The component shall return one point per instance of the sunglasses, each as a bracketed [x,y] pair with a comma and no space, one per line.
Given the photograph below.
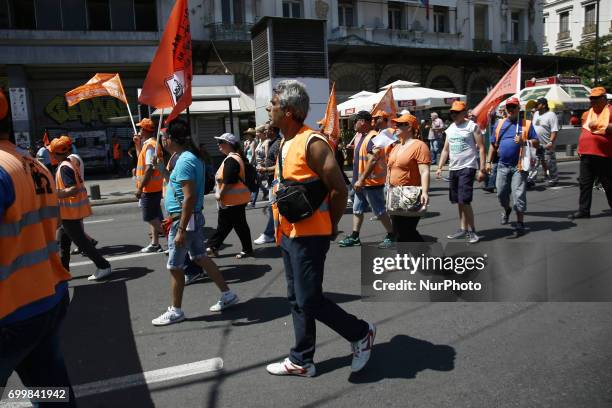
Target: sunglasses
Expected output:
[402,124]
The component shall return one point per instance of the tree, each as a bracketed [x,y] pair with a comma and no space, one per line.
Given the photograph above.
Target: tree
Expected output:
[586,50]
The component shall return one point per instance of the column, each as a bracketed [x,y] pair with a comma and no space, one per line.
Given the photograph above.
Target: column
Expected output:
[217,12]
[525,22]
[472,20]
[21,107]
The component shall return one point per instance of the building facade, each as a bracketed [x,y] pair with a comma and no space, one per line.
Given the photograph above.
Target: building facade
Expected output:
[569,23]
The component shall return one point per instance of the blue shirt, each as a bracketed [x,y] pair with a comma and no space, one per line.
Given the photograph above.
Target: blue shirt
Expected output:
[187,168]
[508,151]
[7,191]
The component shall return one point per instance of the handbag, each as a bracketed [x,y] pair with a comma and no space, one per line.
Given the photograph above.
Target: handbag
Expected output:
[297,201]
[528,157]
[405,201]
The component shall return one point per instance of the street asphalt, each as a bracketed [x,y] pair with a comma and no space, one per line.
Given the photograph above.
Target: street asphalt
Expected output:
[425,355]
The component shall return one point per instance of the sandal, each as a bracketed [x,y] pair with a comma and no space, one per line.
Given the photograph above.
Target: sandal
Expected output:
[243,254]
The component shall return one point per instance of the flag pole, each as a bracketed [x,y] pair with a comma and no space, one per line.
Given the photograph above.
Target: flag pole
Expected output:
[131,117]
[161,117]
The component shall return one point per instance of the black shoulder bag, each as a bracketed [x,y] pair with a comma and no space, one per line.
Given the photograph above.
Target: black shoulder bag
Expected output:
[295,200]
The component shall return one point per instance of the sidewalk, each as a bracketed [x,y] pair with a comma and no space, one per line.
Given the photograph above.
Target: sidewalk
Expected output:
[121,190]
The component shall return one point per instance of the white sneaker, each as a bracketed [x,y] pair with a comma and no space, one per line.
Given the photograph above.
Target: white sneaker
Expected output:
[362,349]
[286,367]
[172,315]
[226,300]
[264,239]
[189,279]
[151,248]
[100,273]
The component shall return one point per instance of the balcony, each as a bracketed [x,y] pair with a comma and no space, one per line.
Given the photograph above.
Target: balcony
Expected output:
[482,44]
[589,29]
[229,31]
[520,47]
[563,35]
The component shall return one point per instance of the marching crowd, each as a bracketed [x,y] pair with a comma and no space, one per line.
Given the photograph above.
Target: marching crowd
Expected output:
[297,170]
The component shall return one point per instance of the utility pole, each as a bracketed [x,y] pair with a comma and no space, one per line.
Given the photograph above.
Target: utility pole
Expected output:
[597,45]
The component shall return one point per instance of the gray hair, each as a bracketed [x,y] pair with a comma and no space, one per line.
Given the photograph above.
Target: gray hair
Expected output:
[292,96]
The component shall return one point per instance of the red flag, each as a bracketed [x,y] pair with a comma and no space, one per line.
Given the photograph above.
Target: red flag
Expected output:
[45,138]
[509,84]
[98,85]
[168,82]
[331,122]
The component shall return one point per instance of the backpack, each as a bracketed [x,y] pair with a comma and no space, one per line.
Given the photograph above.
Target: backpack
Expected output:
[250,177]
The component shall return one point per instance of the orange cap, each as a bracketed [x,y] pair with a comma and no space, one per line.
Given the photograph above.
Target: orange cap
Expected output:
[597,91]
[408,118]
[147,124]
[4,107]
[60,145]
[458,106]
[380,114]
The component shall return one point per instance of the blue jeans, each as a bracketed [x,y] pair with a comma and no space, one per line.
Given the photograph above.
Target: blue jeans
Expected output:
[492,177]
[435,146]
[304,260]
[512,180]
[269,231]
[32,349]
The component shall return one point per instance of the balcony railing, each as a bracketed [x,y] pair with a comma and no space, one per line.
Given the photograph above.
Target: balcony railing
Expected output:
[520,47]
[563,35]
[229,31]
[482,44]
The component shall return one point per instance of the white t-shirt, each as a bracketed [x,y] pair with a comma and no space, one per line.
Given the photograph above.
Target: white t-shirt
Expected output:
[462,146]
[544,125]
[81,165]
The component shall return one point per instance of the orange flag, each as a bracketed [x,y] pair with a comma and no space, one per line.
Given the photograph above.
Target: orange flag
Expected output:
[509,84]
[98,85]
[331,122]
[387,104]
[45,138]
[168,82]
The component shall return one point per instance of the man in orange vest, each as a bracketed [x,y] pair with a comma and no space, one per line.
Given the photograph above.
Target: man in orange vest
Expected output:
[117,154]
[33,283]
[369,176]
[595,150]
[305,157]
[149,182]
[74,207]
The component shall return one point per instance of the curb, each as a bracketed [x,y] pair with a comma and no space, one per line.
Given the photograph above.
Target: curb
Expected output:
[110,201]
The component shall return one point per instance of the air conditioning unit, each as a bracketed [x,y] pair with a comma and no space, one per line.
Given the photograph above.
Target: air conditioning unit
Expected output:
[290,48]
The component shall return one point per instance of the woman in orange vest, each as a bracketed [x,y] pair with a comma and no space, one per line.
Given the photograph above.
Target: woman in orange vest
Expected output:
[33,283]
[232,196]
[74,206]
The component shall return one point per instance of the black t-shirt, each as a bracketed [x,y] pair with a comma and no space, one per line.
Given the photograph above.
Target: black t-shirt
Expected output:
[231,171]
[273,152]
[68,176]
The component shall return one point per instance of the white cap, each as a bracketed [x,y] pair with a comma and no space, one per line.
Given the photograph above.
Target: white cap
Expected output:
[405,111]
[229,138]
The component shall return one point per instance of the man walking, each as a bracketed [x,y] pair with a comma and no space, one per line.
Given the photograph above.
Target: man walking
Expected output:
[466,150]
[184,202]
[149,183]
[267,172]
[508,141]
[595,150]
[369,175]
[435,136]
[74,207]
[305,155]
[546,126]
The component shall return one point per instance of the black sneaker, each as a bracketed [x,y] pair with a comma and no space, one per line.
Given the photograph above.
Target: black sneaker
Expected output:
[519,229]
[505,216]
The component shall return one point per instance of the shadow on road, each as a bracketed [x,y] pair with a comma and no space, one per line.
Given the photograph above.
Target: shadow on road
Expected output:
[98,343]
[532,226]
[116,250]
[402,357]
[118,275]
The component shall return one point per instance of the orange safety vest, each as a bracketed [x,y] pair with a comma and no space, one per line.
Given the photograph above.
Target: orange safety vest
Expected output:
[76,207]
[602,120]
[524,137]
[237,193]
[155,182]
[116,151]
[295,168]
[30,266]
[379,173]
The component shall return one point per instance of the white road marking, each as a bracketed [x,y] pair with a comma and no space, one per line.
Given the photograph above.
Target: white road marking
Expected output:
[118,258]
[135,380]
[98,221]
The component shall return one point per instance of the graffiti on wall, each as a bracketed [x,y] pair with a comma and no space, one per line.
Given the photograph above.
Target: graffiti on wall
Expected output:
[86,112]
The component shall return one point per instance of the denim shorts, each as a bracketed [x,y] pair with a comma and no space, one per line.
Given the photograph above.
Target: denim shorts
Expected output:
[370,197]
[194,244]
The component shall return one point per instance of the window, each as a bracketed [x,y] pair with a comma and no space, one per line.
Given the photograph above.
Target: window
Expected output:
[481,29]
[232,11]
[395,17]
[145,12]
[346,14]
[564,22]
[292,8]
[589,15]
[98,15]
[440,14]
[22,14]
[515,26]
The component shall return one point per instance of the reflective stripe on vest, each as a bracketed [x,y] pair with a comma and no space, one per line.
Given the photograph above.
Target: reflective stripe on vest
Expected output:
[295,168]
[379,172]
[30,267]
[237,193]
[76,207]
[156,180]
